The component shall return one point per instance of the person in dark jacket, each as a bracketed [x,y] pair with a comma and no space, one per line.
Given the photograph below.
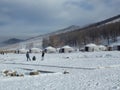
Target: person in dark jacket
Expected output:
[28,56]
[43,54]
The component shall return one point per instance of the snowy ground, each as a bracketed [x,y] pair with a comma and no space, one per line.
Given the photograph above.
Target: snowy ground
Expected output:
[87,71]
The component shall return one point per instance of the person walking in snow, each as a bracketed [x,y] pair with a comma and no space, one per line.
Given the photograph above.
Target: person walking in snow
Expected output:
[43,54]
[28,56]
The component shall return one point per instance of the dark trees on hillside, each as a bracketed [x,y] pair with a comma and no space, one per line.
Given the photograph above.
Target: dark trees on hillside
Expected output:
[55,41]
[94,34]
[45,42]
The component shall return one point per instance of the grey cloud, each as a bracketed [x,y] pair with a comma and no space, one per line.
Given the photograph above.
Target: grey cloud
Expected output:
[32,17]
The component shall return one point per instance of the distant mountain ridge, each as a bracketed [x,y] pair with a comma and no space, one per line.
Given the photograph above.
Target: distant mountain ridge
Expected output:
[103,22]
[12,41]
[67,29]
[109,20]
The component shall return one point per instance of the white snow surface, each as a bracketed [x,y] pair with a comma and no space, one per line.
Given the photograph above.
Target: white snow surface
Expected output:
[87,71]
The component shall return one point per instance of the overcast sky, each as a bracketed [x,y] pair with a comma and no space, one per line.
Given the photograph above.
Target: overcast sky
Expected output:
[27,18]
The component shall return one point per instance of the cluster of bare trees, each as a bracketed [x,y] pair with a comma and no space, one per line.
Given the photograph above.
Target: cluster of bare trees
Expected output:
[92,34]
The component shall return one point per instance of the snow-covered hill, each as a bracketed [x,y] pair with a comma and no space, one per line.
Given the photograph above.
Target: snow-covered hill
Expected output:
[37,41]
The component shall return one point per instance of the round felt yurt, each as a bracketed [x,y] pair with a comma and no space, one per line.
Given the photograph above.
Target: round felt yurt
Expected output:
[35,50]
[102,48]
[22,51]
[50,49]
[66,49]
[91,47]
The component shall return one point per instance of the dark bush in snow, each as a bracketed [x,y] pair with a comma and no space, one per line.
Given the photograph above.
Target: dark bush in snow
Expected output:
[34,73]
[11,73]
[65,72]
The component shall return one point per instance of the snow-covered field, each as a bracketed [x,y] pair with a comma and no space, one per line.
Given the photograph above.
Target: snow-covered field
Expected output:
[87,71]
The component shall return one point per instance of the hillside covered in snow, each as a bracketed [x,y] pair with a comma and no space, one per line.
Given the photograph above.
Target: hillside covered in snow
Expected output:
[104,32]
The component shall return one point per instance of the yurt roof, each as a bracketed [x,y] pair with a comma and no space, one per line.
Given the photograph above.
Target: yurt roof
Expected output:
[35,49]
[49,47]
[101,46]
[66,46]
[23,49]
[91,45]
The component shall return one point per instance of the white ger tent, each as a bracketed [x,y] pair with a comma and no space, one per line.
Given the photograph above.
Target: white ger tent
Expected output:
[35,50]
[91,47]
[23,51]
[66,49]
[102,48]
[50,49]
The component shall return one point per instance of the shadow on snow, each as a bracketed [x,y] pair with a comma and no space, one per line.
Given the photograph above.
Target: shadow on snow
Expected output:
[53,66]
